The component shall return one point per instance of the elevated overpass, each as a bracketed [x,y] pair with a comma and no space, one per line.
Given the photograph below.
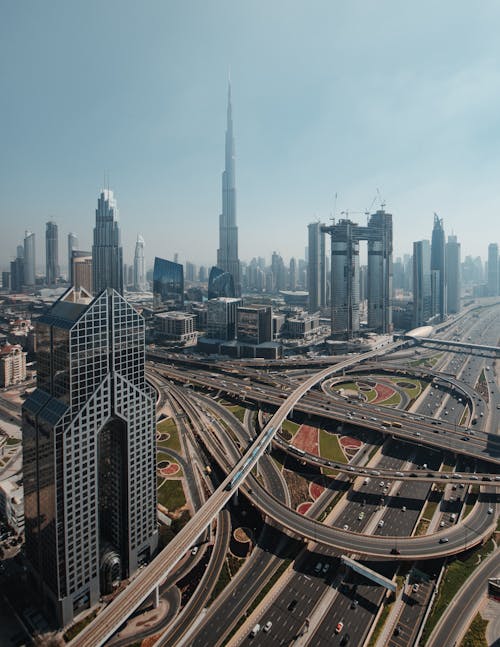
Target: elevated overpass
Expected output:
[113,616]
[477,349]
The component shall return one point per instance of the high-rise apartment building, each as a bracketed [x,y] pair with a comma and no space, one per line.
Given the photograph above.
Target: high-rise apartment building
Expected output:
[438,269]
[316,272]
[52,272]
[107,253]
[72,245]
[221,318]
[12,365]
[453,275]
[493,270]
[16,275]
[422,296]
[139,266]
[89,452]
[227,254]
[29,260]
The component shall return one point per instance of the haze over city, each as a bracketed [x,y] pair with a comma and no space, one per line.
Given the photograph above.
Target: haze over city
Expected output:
[328,99]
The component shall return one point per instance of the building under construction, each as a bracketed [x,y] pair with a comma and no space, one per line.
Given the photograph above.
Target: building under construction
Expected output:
[345,285]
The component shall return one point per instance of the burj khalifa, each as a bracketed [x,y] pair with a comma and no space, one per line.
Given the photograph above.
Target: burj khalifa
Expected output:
[227,254]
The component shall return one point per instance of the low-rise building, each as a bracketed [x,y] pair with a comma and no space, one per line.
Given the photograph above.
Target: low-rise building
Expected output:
[12,505]
[176,327]
[12,365]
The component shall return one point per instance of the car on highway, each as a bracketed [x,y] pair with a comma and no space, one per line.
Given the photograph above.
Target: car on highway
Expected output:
[381,523]
[255,630]
[318,567]
[345,640]
[444,540]
[361,516]
[292,605]
[325,569]
[267,626]
[194,550]
[395,551]
[415,588]
[345,527]
[339,627]
[490,510]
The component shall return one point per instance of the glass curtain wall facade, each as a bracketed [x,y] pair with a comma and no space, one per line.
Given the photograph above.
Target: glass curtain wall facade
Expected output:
[168,285]
[220,284]
[89,453]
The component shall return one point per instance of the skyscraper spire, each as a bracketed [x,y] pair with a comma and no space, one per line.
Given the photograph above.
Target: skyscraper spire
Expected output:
[227,254]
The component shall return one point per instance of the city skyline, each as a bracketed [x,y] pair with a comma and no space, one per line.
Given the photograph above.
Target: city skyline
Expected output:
[422,155]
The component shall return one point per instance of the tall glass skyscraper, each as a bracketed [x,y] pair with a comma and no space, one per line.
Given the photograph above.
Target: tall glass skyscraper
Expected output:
[422,297]
[51,253]
[438,269]
[220,284]
[89,452]
[168,285]
[107,253]
[227,254]
[29,259]
[72,245]
[453,275]
[493,270]
[139,266]
[316,272]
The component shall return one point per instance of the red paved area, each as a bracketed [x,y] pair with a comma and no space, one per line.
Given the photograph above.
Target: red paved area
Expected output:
[173,468]
[304,507]
[350,443]
[315,489]
[307,439]
[384,392]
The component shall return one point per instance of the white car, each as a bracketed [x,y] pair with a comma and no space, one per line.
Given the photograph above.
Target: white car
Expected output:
[381,523]
[267,626]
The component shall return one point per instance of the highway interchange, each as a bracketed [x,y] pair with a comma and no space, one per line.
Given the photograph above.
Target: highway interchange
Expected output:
[408,490]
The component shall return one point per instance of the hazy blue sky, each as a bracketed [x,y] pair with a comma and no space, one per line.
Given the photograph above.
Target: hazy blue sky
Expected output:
[329,97]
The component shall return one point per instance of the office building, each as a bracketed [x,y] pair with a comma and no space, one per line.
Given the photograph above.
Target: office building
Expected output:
[168,285]
[316,271]
[493,270]
[89,452]
[29,260]
[438,269]
[81,270]
[12,365]
[72,245]
[52,272]
[107,253]
[422,295]
[254,324]
[221,318]
[6,280]
[220,284]
[453,275]
[176,327]
[227,254]
[140,283]
[379,274]
[17,275]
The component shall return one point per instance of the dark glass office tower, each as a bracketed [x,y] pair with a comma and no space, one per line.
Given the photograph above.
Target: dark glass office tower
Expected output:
[51,253]
[168,285]
[107,253]
[89,452]
[227,254]
[438,269]
[220,284]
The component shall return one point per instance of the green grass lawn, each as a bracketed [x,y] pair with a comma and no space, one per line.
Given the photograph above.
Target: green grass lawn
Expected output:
[456,574]
[393,401]
[168,427]
[13,441]
[291,427]
[349,386]
[329,447]
[238,411]
[171,494]
[476,633]
[430,509]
